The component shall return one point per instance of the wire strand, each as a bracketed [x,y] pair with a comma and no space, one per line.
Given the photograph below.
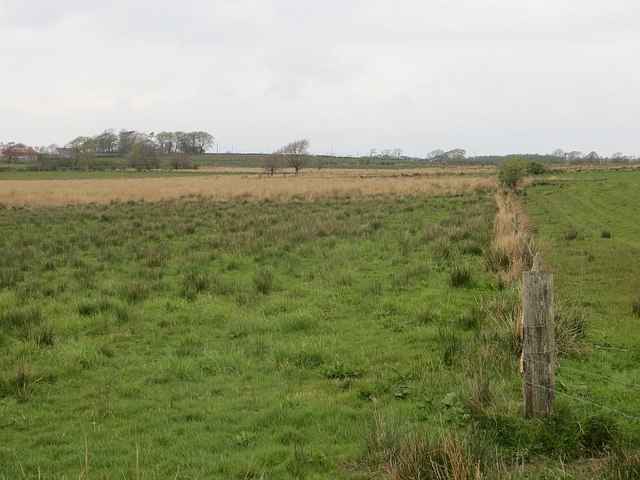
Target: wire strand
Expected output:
[583,400]
[561,366]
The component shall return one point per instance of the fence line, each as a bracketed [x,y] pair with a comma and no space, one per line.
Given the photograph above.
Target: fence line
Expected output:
[523,239]
[561,366]
[602,347]
[584,400]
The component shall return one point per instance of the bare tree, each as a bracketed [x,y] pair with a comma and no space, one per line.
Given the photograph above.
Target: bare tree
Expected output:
[435,154]
[202,141]
[296,153]
[559,154]
[274,162]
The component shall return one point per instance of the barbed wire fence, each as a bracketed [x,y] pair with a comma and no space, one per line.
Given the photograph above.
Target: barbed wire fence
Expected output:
[539,375]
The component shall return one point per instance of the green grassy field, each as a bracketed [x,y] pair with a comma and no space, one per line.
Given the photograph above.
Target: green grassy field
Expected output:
[342,338]
[592,222]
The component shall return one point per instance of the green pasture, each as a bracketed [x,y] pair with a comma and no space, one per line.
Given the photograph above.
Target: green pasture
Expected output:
[308,339]
[591,223]
[218,339]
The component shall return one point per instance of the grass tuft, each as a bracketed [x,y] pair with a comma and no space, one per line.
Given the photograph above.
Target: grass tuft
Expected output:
[21,320]
[623,464]
[570,328]
[451,346]
[460,276]
[263,280]
[571,234]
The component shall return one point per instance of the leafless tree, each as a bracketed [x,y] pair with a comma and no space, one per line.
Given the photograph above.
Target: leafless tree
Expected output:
[274,162]
[296,153]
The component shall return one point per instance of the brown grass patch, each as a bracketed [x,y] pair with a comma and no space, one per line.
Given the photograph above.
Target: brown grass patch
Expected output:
[509,256]
[311,185]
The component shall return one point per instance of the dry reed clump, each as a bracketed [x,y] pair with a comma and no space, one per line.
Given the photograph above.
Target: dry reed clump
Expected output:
[228,187]
[401,454]
[508,255]
[448,459]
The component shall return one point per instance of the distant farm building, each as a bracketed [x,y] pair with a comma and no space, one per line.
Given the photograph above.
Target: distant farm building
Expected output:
[17,153]
[65,152]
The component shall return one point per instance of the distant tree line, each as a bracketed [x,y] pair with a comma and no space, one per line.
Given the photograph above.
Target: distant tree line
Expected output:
[113,149]
[124,141]
[135,150]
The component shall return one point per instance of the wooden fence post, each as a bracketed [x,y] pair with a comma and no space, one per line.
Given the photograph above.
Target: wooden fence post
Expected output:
[538,350]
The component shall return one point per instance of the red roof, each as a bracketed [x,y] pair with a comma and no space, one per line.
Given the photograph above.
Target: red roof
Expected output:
[17,152]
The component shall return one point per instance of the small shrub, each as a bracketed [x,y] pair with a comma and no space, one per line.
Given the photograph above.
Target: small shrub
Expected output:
[460,276]
[605,234]
[511,173]
[535,168]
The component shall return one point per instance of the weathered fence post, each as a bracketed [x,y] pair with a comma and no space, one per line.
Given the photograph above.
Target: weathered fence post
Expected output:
[538,350]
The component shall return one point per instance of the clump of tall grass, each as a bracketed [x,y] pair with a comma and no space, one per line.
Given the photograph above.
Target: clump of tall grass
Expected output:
[19,383]
[193,283]
[623,464]
[20,320]
[451,346]
[305,356]
[89,308]
[471,318]
[571,234]
[506,314]
[570,327]
[263,280]
[460,275]
[134,292]
[446,456]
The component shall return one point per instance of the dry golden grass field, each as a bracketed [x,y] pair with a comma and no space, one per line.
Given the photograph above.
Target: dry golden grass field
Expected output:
[249,185]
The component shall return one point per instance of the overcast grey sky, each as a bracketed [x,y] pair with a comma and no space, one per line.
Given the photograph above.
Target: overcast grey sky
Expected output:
[492,76]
